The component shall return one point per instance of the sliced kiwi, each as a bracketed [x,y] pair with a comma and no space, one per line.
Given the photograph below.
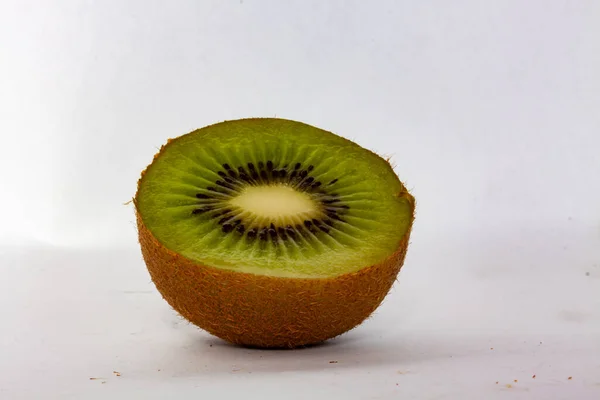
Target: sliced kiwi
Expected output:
[284,211]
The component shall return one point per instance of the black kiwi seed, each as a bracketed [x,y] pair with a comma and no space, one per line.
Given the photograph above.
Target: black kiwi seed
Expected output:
[227,228]
[244,177]
[331,201]
[316,222]
[240,228]
[328,222]
[261,165]
[303,173]
[270,165]
[316,185]
[324,228]
[293,174]
[309,180]
[263,174]
[254,175]
[282,173]
[297,166]
[263,234]
[307,223]
[336,217]
[336,207]
[251,166]
[226,185]
[223,220]
[226,166]
[333,181]
[251,233]
[202,196]
[290,232]
[222,174]
[198,211]
[232,173]
[310,168]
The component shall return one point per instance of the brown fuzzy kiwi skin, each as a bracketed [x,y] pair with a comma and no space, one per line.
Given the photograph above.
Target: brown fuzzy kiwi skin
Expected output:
[264,311]
[267,312]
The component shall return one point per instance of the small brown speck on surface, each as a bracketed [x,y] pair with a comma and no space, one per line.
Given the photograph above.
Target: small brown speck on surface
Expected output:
[508,385]
[94,379]
[496,382]
[491,348]
[333,362]
[117,373]
[515,381]
[569,378]
[533,377]
[103,382]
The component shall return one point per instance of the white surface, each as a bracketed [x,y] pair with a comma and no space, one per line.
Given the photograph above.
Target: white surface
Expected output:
[489,110]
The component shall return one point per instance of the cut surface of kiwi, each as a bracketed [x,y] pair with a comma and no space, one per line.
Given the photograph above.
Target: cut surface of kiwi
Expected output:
[269,233]
[274,197]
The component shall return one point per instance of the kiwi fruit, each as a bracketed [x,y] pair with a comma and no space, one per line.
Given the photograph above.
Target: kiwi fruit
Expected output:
[268,232]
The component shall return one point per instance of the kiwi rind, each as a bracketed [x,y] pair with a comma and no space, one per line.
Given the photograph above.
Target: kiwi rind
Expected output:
[270,311]
[263,311]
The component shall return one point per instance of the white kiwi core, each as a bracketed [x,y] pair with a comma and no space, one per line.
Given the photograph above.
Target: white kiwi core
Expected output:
[276,203]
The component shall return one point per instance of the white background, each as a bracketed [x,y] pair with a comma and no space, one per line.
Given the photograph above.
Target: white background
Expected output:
[490,110]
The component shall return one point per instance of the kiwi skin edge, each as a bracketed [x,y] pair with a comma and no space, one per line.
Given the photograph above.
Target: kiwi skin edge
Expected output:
[265,311]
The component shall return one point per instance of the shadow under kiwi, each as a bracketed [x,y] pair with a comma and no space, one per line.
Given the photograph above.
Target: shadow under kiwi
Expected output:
[206,354]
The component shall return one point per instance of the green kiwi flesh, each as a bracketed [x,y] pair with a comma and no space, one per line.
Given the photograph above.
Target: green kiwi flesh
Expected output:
[274,197]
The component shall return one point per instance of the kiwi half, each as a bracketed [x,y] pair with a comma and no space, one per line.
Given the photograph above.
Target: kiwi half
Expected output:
[272,233]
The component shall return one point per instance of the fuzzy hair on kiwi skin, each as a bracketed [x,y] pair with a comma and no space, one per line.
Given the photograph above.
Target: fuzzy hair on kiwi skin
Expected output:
[264,311]
[267,312]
